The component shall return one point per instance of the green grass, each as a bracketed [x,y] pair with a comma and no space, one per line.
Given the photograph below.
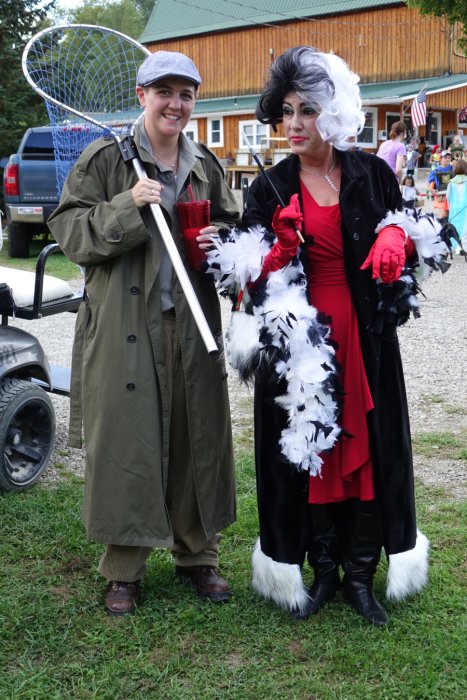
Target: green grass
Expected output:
[441,445]
[57,643]
[57,265]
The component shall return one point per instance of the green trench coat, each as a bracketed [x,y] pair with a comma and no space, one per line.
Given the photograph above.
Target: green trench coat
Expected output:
[118,378]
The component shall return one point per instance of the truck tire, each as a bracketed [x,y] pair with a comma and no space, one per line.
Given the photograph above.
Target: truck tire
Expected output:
[27,433]
[19,238]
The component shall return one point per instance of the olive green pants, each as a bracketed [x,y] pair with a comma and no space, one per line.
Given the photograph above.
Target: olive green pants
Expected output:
[191,546]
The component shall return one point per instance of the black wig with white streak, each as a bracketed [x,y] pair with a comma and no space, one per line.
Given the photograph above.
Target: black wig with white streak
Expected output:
[325,83]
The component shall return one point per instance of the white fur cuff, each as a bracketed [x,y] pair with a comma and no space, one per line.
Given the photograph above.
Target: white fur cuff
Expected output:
[408,571]
[279,582]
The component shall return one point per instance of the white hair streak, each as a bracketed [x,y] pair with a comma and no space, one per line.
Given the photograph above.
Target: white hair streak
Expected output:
[341,118]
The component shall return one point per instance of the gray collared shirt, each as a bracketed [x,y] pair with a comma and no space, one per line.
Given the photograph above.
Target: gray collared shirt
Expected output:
[173,186]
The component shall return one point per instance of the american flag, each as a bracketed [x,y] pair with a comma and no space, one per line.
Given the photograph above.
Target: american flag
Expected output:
[418,111]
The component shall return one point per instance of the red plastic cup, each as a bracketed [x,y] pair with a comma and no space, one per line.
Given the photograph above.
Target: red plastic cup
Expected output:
[194,216]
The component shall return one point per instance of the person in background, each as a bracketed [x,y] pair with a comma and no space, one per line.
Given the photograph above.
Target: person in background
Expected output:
[438,180]
[332,502]
[435,158]
[412,160]
[456,195]
[154,404]
[457,147]
[409,192]
[393,151]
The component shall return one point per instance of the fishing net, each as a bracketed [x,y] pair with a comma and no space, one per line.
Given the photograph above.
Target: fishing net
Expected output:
[87,76]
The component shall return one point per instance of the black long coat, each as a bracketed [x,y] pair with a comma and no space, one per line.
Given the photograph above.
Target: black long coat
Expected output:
[368,191]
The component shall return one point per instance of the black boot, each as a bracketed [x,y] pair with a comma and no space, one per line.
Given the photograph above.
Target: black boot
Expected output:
[362,553]
[324,558]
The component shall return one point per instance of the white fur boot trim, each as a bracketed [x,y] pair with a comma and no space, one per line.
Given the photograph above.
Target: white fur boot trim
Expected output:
[279,582]
[408,571]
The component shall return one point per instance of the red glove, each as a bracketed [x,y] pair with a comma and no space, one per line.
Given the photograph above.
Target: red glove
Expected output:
[387,255]
[285,223]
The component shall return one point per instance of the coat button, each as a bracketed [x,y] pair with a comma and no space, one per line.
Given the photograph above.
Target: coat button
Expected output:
[356,236]
[131,338]
[134,290]
[130,386]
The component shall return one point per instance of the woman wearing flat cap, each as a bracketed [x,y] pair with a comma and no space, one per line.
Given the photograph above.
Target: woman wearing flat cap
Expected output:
[153,403]
[332,439]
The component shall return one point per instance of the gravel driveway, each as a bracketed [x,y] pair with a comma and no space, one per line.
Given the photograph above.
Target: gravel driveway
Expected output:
[434,355]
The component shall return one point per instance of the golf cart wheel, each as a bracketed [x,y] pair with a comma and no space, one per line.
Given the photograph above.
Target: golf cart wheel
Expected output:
[27,433]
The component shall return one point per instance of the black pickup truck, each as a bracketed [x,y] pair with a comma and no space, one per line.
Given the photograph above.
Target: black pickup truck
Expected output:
[30,189]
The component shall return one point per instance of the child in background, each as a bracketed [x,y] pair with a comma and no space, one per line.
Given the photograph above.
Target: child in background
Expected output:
[435,157]
[412,159]
[438,180]
[409,192]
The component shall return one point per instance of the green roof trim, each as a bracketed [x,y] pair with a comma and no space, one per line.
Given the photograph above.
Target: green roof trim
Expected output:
[172,19]
[400,90]
[372,93]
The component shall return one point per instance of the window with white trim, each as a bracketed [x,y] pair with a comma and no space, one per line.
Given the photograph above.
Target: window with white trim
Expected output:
[215,132]
[436,130]
[368,136]
[191,130]
[256,133]
[393,117]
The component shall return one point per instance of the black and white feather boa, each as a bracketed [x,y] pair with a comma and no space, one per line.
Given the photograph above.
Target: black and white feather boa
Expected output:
[283,331]
[288,335]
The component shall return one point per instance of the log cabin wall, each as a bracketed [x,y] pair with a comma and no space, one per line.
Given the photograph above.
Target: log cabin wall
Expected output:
[380,45]
[385,44]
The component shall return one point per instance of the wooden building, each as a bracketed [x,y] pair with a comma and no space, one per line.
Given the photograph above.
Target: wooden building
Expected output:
[395,50]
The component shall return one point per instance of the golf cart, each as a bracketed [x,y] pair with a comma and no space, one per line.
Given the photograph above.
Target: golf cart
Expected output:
[27,417]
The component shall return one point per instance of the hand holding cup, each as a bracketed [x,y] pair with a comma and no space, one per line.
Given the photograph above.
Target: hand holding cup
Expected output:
[194,217]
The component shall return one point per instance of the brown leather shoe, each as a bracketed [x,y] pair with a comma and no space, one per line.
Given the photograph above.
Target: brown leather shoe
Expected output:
[121,598]
[206,582]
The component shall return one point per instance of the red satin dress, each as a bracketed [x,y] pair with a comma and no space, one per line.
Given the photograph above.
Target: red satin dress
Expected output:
[346,471]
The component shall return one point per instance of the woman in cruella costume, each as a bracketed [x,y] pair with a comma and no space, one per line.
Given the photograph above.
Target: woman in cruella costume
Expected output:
[332,437]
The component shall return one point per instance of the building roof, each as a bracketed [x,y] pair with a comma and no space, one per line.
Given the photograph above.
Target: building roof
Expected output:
[372,94]
[172,19]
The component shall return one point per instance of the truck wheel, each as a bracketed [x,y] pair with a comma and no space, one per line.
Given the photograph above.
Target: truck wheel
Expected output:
[27,433]
[19,238]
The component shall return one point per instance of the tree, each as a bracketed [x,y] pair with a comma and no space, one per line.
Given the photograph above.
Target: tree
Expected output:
[20,106]
[453,10]
[124,16]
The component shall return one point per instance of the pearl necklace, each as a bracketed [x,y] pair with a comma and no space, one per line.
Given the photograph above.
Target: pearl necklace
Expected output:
[325,177]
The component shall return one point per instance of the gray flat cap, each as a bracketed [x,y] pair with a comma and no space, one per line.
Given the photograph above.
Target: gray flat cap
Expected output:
[165,64]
